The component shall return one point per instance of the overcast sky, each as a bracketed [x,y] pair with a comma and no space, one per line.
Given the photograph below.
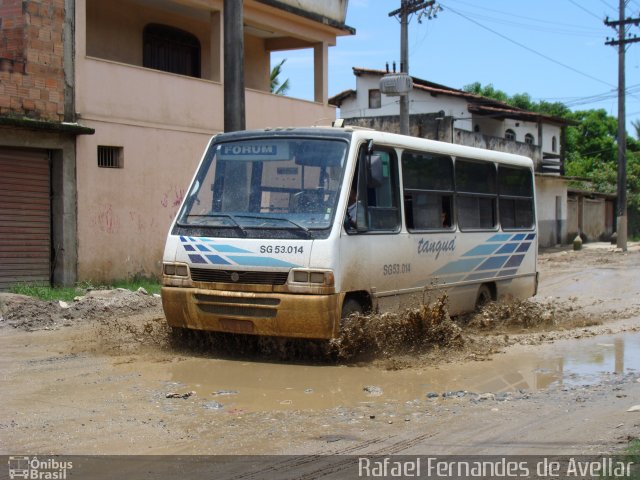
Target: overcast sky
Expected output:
[551,49]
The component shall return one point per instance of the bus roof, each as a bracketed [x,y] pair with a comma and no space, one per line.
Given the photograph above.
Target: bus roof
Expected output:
[384,138]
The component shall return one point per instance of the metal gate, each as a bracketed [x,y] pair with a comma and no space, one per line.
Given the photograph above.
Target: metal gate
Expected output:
[25,217]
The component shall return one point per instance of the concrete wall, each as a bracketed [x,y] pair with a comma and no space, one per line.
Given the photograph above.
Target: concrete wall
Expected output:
[333,9]
[430,126]
[478,140]
[593,214]
[161,121]
[591,218]
[551,204]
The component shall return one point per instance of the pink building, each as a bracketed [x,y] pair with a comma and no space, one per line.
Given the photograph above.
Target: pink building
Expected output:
[105,109]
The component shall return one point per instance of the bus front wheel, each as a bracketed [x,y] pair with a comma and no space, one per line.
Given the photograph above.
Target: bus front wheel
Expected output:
[351,306]
[484,296]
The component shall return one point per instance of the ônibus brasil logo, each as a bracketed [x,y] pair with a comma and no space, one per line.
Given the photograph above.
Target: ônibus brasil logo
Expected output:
[36,469]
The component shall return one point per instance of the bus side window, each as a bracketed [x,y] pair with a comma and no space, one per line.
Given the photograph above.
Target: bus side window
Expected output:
[428,190]
[515,191]
[377,206]
[476,195]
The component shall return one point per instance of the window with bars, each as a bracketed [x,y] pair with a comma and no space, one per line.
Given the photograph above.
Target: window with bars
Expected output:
[171,50]
[110,157]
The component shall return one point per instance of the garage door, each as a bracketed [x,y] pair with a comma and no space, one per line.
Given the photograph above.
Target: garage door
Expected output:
[25,217]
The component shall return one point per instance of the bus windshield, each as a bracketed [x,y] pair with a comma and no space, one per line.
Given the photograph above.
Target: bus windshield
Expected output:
[284,184]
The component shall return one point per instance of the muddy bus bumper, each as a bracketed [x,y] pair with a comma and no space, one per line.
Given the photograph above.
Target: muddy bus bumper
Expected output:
[267,314]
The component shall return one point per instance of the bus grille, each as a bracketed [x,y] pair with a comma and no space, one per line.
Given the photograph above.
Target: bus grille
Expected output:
[244,277]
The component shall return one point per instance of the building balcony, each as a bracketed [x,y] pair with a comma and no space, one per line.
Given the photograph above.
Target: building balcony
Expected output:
[544,162]
[122,93]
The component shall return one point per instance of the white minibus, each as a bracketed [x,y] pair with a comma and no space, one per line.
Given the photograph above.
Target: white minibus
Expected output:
[284,232]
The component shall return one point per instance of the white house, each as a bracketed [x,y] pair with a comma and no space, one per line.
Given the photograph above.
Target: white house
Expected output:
[448,114]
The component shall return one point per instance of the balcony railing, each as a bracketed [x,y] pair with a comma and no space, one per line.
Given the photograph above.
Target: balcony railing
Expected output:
[544,162]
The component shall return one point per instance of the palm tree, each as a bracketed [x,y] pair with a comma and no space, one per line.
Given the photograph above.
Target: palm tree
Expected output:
[636,125]
[276,86]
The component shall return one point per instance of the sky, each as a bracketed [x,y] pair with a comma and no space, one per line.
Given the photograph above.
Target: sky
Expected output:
[551,49]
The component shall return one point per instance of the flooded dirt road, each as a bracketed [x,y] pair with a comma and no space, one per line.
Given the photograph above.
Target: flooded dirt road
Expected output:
[115,386]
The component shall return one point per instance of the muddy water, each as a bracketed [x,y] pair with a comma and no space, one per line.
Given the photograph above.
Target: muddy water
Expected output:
[64,391]
[255,386]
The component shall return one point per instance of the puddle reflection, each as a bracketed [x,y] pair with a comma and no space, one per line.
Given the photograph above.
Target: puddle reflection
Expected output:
[264,386]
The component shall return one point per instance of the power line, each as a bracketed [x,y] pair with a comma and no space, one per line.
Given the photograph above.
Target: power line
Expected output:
[544,22]
[546,57]
[573,31]
[609,6]
[584,9]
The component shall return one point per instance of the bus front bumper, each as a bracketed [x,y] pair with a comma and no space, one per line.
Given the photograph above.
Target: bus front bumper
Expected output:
[266,314]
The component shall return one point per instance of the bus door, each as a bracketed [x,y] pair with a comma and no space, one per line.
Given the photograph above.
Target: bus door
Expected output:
[373,253]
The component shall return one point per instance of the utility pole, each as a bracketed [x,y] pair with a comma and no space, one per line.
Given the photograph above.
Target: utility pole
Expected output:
[621,42]
[234,104]
[407,7]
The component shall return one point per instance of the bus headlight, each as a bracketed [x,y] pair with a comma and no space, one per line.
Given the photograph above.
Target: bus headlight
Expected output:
[175,269]
[313,277]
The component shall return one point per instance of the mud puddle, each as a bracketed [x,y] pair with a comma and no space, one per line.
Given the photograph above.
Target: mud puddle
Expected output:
[228,385]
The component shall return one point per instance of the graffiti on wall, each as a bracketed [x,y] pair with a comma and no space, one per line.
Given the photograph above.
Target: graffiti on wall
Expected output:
[106,220]
[171,200]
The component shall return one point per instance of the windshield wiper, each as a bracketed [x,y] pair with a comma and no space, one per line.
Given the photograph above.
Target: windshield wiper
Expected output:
[295,224]
[214,215]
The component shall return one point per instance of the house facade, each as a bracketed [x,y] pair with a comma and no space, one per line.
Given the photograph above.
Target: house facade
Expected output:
[107,108]
[442,113]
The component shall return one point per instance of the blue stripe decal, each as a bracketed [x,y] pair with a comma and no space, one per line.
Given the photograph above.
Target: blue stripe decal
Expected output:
[500,237]
[531,236]
[493,263]
[505,273]
[519,236]
[459,266]
[217,260]
[481,250]
[260,261]
[514,261]
[523,247]
[197,258]
[208,247]
[229,249]
[507,248]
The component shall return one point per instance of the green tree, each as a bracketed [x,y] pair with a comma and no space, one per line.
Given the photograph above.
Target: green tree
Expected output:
[519,100]
[591,146]
[277,87]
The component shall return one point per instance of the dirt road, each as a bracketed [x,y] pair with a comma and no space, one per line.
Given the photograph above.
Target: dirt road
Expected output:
[113,385]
